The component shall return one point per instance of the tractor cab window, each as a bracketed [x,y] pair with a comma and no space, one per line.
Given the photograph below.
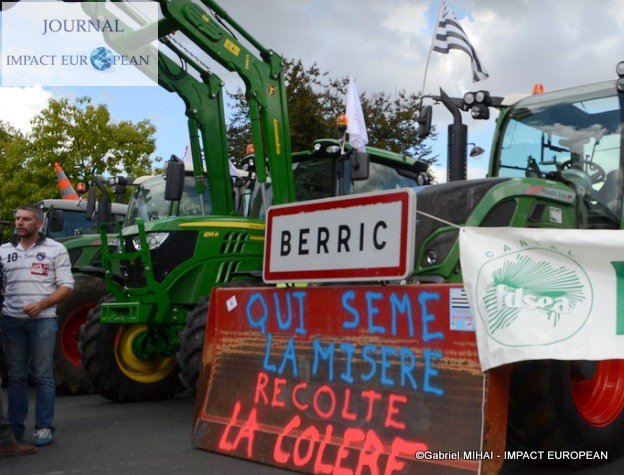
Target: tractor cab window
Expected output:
[314,179]
[383,177]
[148,201]
[75,223]
[571,138]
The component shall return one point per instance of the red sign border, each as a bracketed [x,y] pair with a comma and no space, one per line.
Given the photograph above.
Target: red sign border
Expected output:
[405,196]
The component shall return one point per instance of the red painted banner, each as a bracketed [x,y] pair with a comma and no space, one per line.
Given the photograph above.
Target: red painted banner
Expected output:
[346,380]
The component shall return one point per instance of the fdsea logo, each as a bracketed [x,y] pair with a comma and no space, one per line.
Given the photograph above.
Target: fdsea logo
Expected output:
[533,297]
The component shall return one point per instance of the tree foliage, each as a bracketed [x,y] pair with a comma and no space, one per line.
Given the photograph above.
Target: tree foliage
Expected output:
[82,138]
[314,102]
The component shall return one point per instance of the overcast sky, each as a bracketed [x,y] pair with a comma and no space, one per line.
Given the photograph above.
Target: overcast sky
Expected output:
[384,46]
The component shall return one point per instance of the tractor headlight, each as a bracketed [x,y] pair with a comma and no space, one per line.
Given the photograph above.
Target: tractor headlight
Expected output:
[154,240]
[438,248]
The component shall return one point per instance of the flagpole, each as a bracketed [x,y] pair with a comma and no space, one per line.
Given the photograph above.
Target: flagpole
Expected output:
[435,29]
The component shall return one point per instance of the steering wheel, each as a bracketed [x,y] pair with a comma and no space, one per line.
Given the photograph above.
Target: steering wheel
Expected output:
[594,171]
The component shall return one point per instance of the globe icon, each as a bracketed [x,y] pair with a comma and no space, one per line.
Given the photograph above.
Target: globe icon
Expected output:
[101,58]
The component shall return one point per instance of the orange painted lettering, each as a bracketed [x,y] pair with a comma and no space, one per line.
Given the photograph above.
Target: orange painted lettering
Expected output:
[223,443]
[246,432]
[372,396]
[319,466]
[311,436]
[325,389]
[299,405]
[402,447]
[392,410]
[351,435]
[369,455]
[263,380]
[349,416]
[277,390]
[278,454]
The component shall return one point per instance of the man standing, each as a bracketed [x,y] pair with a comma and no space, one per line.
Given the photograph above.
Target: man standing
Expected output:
[8,444]
[37,276]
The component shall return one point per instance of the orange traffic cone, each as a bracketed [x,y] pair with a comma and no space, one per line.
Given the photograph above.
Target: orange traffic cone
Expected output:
[67,190]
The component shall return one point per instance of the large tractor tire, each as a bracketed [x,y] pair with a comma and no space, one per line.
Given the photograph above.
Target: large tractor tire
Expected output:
[72,314]
[192,337]
[111,365]
[192,346]
[568,406]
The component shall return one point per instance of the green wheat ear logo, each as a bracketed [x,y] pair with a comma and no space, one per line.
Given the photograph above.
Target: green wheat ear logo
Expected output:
[529,284]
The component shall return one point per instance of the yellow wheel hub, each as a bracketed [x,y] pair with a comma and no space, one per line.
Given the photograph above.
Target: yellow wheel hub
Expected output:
[139,370]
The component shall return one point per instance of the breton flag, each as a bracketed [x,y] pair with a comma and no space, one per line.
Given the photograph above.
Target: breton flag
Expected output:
[356,126]
[450,35]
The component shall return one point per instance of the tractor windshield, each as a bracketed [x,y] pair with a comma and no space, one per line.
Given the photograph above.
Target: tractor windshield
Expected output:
[573,135]
[75,223]
[315,177]
[148,201]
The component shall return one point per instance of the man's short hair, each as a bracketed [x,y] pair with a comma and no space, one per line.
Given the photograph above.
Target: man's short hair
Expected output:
[35,210]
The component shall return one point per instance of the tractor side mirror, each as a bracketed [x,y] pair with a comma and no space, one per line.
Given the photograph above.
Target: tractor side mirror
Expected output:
[91,199]
[360,166]
[174,179]
[424,122]
[55,220]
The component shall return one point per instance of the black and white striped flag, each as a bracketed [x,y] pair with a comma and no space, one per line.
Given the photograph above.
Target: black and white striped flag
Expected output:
[450,35]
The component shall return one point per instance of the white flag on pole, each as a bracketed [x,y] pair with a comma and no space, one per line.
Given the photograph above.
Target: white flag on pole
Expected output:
[188,158]
[356,126]
[450,35]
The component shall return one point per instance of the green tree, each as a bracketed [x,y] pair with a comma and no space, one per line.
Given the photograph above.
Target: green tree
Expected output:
[82,138]
[13,146]
[314,102]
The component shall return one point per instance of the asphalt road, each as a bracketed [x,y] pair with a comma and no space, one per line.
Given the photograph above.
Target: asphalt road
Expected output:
[95,436]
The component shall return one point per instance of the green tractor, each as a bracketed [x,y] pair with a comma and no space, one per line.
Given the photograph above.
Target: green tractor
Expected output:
[556,162]
[148,333]
[188,232]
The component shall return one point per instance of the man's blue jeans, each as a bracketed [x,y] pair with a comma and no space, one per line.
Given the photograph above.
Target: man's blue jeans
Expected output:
[30,340]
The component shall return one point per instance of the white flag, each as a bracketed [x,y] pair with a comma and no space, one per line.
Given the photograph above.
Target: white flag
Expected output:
[450,35]
[234,172]
[188,158]
[356,126]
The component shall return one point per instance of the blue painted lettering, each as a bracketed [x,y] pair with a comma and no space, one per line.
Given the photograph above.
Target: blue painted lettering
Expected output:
[283,324]
[370,360]
[427,317]
[349,349]
[346,297]
[407,367]
[401,306]
[257,311]
[386,352]
[323,354]
[290,355]
[372,311]
[267,352]
[430,372]
[260,321]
